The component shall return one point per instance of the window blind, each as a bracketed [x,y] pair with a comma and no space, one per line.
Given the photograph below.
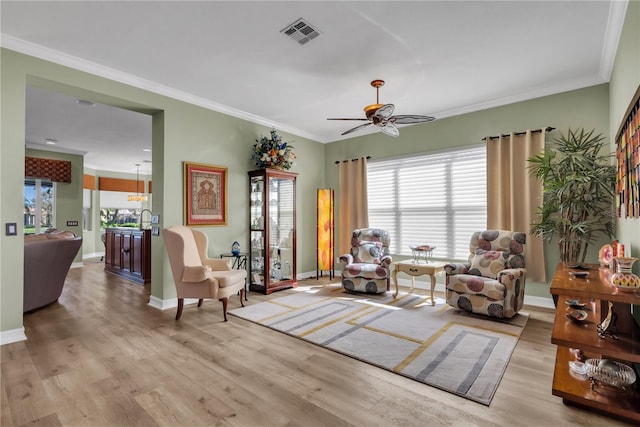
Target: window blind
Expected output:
[436,198]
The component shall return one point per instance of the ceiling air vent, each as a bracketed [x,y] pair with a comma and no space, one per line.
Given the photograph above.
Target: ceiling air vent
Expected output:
[301,31]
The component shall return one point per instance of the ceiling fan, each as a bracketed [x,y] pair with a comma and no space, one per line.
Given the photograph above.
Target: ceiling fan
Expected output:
[381,115]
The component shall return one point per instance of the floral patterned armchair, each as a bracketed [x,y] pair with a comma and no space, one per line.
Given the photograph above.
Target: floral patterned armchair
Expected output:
[367,267]
[493,280]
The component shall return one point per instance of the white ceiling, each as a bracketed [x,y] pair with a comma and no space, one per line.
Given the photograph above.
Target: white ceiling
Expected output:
[438,58]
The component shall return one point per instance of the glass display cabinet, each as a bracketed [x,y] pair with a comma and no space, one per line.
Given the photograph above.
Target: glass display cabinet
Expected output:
[272,221]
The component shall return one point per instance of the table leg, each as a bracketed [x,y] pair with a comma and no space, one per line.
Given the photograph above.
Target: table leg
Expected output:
[433,285]
[413,283]
[394,275]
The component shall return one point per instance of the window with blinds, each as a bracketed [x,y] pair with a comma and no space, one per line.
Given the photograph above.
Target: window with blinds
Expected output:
[436,198]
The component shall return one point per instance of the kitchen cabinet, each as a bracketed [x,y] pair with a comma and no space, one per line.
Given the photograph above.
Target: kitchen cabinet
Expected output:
[128,253]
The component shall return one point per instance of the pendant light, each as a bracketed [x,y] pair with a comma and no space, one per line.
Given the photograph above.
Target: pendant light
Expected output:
[137,197]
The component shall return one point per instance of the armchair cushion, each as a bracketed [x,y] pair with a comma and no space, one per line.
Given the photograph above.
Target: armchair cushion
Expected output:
[488,263]
[367,252]
[470,284]
[228,278]
[369,271]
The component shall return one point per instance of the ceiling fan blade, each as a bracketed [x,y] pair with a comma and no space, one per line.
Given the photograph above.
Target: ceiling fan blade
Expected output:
[360,120]
[390,129]
[356,128]
[385,111]
[407,119]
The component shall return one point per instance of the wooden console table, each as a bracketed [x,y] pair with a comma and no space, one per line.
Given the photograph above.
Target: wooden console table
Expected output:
[595,291]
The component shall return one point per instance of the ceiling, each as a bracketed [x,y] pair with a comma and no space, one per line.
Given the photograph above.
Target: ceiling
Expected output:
[438,58]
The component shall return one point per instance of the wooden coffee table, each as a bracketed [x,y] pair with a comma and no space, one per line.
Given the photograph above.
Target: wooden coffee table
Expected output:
[414,269]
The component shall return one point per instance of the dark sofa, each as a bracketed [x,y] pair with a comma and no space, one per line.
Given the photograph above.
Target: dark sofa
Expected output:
[47,259]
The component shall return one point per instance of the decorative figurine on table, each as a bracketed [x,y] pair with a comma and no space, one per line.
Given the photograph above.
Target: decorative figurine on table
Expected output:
[605,256]
[235,249]
[608,325]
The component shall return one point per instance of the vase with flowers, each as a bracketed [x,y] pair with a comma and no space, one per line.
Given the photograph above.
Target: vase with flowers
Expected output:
[273,152]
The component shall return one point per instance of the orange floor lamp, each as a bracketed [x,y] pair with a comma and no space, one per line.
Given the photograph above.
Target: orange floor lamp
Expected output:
[325,249]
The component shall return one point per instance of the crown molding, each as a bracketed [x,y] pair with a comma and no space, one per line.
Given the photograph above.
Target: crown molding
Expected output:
[60,58]
[524,96]
[615,22]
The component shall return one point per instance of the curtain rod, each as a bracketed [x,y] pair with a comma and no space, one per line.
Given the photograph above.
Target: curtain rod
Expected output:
[353,160]
[548,129]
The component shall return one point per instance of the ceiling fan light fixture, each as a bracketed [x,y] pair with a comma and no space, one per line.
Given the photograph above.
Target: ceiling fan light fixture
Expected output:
[381,116]
[370,110]
[137,198]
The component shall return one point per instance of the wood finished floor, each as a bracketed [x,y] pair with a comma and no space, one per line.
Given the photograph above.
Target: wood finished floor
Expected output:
[102,357]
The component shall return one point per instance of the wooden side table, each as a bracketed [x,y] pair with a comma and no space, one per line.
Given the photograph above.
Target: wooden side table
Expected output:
[414,269]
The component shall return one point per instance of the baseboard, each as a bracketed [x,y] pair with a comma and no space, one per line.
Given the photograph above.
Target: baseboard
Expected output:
[539,301]
[313,275]
[13,335]
[77,264]
[165,304]
[92,255]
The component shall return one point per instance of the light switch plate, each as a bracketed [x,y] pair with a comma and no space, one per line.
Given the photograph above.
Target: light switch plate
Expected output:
[11,229]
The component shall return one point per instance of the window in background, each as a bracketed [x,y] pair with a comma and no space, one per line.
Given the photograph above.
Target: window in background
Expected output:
[436,198]
[117,211]
[39,205]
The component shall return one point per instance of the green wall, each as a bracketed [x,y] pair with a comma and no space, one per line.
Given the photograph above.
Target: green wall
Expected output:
[180,132]
[184,132]
[600,107]
[587,108]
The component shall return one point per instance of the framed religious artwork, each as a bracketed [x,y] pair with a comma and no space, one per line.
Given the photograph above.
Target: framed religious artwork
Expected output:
[205,194]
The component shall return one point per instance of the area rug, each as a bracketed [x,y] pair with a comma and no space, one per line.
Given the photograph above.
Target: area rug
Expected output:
[437,345]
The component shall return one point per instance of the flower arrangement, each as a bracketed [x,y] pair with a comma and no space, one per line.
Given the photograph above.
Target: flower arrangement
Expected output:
[273,152]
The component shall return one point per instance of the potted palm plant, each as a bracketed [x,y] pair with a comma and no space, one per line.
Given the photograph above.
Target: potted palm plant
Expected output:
[578,193]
